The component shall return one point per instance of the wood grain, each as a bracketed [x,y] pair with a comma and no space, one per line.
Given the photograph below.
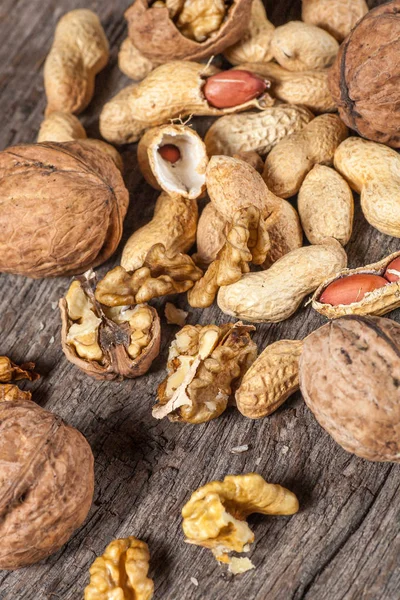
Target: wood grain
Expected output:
[345,542]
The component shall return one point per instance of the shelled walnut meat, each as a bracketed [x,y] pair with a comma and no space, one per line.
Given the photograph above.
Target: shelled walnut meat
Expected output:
[107,342]
[205,364]
[186,29]
[46,479]
[63,205]
[350,380]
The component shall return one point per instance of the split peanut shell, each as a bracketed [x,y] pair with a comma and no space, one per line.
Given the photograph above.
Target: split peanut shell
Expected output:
[378,302]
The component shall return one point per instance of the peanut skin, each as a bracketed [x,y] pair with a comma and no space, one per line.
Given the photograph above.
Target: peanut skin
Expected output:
[232,88]
[351,289]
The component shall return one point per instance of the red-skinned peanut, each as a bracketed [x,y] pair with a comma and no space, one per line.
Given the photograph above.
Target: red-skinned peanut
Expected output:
[233,88]
[393,266]
[351,289]
[170,153]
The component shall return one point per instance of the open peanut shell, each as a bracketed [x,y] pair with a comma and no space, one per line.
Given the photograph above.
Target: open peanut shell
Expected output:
[107,343]
[185,176]
[155,34]
[378,302]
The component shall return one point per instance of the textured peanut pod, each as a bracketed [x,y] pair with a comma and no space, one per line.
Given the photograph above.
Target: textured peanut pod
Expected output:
[275,294]
[186,176]
[105,345]
[326,206]
[211,235]
[174,222]
[307,88]
[298,46]
[71,205]
[252,158]
[293,157]
[271,379]
[378,302]
[364,79]
[79,51]
[255,131]
[338,17]
[46,479]
[170,91]
[349,378]
[132,62]
[156,35]
[373,171]
[254,45]
[284,230]
[65,127]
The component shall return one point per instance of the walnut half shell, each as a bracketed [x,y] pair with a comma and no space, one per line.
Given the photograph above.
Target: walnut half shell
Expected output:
[107,342]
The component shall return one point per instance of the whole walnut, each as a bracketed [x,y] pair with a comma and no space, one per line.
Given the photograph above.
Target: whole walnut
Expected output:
[350,379]
[62,208]
[364,79]
[46,481]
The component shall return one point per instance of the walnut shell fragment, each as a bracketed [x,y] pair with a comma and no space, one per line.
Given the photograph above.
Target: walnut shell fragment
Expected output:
[174,222]
[46,478]
[205,363]
[186,175]
[63,206]
[121,572]
[107,343]
[256,131]
[80,50]
[156,35]
[364,78]
[275,294]
[349,378]
[215,515]
[271,379]
[378,302]
[171,91]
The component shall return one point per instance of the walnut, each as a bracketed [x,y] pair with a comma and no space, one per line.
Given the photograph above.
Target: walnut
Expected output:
[121,573]
[9,371]
[160,275]
[107,342]
[63,205]
[12,392]
[364,78]
[215,516]
[46,479]
[199,19]
[205,363]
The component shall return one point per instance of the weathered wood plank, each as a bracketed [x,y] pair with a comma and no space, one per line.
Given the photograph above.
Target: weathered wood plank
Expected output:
[344,544]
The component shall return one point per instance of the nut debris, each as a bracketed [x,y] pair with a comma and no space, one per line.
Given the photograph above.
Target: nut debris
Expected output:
[239,449]
[174,315]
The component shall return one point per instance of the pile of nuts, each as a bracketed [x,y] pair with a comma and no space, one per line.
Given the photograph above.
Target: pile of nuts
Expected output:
[277,136]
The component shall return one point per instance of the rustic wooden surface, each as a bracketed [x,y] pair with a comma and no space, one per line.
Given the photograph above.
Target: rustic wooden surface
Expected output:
[344,543]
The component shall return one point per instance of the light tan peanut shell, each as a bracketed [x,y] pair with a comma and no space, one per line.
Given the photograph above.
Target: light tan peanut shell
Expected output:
[298,46]
[254,46]
[187,176]
[252,158]
[255,131]
[337,17]
[79,51]
[155,34]
[308,88]
[271,379]
[132,62]
[174,222]
[373,171]
[65,127]
[284,230]
[170,91]
[378,302]
[293,157]
[326,206]
[275,294]
[211,235]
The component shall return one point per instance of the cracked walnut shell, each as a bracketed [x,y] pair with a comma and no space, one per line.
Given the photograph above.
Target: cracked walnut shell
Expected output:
[215,515]
[158,38]
[107,342]
[46,479]
[63,205]
[204,364]
[121,572]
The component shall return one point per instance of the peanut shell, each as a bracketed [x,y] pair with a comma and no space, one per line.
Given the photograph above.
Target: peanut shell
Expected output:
[377,302]
[338,18]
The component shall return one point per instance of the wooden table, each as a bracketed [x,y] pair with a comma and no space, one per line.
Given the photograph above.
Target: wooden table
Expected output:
[345,541]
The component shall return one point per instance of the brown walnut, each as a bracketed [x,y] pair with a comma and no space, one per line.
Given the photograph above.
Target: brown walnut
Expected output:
[63,205]
[364,78]
[46,480]
[350,379]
